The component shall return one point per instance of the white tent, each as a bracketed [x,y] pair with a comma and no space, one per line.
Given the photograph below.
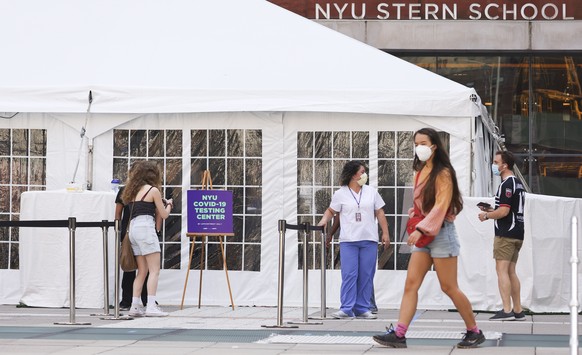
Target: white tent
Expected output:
[185,65]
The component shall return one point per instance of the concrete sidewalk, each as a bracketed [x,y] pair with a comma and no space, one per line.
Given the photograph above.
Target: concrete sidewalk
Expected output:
[220,330]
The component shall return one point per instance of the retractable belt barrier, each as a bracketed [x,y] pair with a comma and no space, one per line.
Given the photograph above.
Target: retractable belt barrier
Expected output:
[72,224]
[306,228]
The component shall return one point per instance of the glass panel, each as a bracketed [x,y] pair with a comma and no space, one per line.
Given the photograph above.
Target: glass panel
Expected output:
[235,143]
[386,171]
[216,143]
[252,229]
[405,145]
[361,146]
[38,142]
[174,143]
[235,172]
[138,143]
[254,172]
[254,143]
[37,171]
[4,170]
[305,144]
[20,142]
[252,258]
[20,171]
[120,142]
[4,142]
[304,172]
[253,200]
[197,168]
[217,170]
[341,145]
[323,144]
[305,200]
[386,147]
[322,174]
[233,256]
[199,146]
[156,143]
[173,172]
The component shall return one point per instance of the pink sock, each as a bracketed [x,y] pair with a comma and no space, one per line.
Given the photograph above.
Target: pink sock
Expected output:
[401,329]
[475,329]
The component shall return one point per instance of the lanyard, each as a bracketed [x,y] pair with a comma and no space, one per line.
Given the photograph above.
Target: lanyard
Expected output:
[361,193]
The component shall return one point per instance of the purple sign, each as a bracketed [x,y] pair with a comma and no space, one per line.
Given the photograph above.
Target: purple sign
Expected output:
[210,212]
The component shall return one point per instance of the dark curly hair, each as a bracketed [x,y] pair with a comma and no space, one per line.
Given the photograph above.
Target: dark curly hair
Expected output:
[350,169]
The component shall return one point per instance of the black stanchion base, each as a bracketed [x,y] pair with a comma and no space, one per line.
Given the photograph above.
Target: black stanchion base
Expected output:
[306,323]
[279,326]
[118,318]
[69,323]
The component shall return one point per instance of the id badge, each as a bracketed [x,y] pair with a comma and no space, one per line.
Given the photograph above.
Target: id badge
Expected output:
[358,217]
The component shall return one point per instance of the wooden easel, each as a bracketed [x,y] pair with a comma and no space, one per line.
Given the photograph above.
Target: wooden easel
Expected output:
[206,185]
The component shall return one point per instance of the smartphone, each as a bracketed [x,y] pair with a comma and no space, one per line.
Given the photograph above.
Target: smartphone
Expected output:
[484,205]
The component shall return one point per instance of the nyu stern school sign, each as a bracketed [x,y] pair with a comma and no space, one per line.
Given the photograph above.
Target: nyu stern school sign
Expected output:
[496,10]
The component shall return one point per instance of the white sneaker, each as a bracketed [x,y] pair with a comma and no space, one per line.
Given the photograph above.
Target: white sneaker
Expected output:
[367,315]
[341,315]
[136,311]
[155,311]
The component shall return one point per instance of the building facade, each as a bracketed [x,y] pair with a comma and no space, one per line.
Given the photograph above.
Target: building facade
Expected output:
[524,58]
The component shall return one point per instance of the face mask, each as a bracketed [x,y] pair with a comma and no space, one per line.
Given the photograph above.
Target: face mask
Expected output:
[363,179]
[495,170]
[423,152]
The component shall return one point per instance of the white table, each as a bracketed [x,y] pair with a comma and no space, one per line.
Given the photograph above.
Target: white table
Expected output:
[44,252]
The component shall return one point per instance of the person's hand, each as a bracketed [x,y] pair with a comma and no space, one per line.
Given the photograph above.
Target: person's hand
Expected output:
[385,240]
[328,240]
[483,216]
[170,202]
[413,238]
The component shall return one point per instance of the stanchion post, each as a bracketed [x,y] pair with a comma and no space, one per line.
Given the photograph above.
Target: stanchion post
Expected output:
[116,315]
[323,272]
[282,227]
[574,298]
[72,227]
[105,313]
[306,234]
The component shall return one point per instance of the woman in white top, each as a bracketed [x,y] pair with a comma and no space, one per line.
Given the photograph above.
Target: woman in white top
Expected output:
[358,205]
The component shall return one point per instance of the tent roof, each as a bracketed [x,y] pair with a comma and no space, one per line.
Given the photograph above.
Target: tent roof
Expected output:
[143,56]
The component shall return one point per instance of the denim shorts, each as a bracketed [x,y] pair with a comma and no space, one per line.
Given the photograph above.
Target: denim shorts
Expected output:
[143,237]
[445,244]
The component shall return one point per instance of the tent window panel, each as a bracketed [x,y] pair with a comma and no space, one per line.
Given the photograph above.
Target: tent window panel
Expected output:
[199,146]
[173,172]
[138,143]
[405,175]
[156,143]
[341,144]
[227,155]
[305,144]
[386,172]
[252,229]
[216,143]
[172,256]
[120,143]
[321,156]
[386,147]
[322,144]
[4,170]
[361,145]
[405,145]
[304,172]
[20,142]
[322,170]
[174,143]
[38,171]
[235,172]
[252,257]
[4,231]
[22,168]
[304,200]
[5,142]
[235,143]
[388,195]
[233,256]
[254,169]
[253,143]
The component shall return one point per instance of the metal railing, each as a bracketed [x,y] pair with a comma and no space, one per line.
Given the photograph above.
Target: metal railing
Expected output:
[574,293]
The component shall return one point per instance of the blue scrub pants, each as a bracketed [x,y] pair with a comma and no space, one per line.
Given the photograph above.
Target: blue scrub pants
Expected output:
[358,268]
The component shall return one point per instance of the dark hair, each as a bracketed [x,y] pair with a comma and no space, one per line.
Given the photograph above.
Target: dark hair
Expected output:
[350,169]
[440,162]
[507,158]
[142,172]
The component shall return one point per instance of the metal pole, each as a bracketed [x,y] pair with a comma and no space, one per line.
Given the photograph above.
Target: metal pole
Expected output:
[104,229]
[116,315]
[305,273]
[323,273]
[574,298]
[282,226]
[72,227]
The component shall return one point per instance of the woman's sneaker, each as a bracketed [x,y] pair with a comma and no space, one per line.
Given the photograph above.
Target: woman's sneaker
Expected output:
[390,339]
[501,315]
[471,340]
[519,316]
[136,311]
[155,311]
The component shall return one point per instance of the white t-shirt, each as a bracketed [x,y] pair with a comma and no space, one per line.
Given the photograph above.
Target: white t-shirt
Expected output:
[345,201]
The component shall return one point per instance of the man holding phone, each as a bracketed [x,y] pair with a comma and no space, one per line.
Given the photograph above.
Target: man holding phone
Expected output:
[508,218]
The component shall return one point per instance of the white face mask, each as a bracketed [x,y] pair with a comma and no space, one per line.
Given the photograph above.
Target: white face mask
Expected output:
[363,179]
[423,152]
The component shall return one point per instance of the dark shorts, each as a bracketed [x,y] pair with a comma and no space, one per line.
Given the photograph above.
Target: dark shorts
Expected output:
[506,248]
